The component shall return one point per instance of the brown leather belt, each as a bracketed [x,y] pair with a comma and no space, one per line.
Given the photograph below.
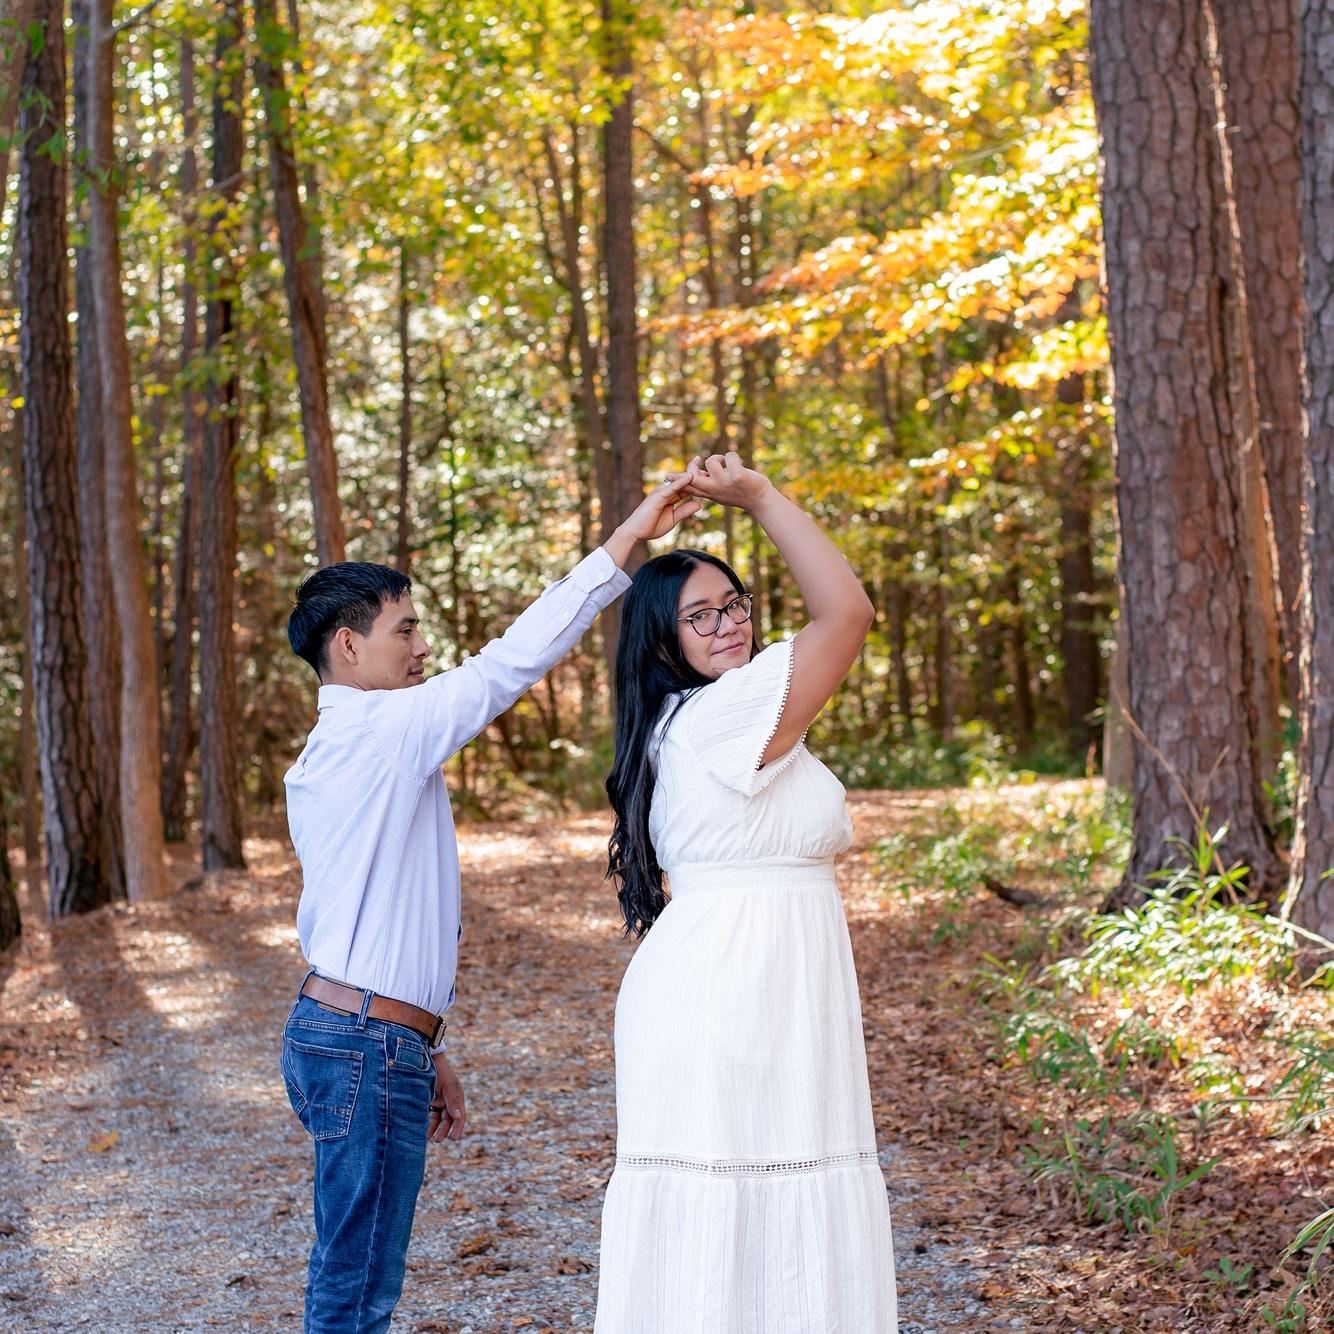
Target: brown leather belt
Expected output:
[347,1000]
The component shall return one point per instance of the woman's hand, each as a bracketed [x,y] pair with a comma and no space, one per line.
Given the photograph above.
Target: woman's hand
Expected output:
[656,515]
[724,478]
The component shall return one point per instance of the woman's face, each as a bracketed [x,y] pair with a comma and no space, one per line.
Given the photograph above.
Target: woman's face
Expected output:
[711,654]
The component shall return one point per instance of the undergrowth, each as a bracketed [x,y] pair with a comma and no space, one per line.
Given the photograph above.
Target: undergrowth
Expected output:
[1133,1096]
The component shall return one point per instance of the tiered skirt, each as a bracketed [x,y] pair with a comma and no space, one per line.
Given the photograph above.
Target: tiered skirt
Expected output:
[747,1196]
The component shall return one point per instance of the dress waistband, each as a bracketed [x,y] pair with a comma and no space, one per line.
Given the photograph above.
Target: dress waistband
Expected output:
[776,873]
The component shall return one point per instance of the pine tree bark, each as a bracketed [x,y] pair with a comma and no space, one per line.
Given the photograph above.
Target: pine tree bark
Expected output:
[28,784]
[141,749]
[301,278]
[1257,43]
[1260,576]
[77,875]
[1310,898]
[1183,539]
[627,454]
[101,626]
[180,726]
[219,769]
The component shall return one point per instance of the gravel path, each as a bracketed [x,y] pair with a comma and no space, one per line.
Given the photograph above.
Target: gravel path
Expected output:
[153,1178]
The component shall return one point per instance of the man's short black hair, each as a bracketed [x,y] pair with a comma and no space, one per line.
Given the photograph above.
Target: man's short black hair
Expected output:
[350,593]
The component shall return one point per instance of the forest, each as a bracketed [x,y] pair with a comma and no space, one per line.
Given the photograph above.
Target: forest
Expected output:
[1029,302]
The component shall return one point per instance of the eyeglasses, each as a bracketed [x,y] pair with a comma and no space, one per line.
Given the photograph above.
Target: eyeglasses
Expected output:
[708,620]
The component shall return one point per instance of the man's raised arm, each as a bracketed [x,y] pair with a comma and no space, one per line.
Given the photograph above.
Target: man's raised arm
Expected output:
[423,726]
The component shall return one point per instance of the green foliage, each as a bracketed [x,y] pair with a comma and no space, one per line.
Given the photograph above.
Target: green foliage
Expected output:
[1119,1169]
[1307,1086]
[1190,931]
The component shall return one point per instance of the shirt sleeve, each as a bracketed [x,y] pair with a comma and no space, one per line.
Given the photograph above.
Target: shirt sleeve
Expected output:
[420,727]
[729,723]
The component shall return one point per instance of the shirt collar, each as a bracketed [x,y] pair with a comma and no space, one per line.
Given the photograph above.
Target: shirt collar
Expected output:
[330,695]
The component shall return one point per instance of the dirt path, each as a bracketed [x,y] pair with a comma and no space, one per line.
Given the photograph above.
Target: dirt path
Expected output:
[152,1176]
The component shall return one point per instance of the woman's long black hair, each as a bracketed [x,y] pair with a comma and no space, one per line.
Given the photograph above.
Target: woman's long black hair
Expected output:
[650,668]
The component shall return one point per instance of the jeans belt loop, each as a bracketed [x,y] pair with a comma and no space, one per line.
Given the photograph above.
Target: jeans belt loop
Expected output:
[366,998]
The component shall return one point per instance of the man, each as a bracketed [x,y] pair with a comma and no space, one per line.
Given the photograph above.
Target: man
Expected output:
[363,1057]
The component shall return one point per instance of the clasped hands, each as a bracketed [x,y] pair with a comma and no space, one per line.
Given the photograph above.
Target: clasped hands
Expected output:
[722,478]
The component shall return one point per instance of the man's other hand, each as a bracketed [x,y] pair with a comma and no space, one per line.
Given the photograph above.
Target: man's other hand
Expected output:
[447,1108]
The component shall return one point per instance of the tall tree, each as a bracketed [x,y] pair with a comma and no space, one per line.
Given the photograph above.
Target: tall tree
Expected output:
[219,769]
[301,273]
[618,247]
[141,749]
[1257,42]
[1310,898]
[624,474]
[77,875]
[1183,537]
[28,784]
[100,623]
[180,726]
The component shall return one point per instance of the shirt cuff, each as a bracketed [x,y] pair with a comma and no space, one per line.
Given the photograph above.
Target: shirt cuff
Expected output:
[597,569]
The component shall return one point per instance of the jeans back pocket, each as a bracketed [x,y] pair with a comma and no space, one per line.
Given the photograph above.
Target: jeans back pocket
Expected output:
[322,1084]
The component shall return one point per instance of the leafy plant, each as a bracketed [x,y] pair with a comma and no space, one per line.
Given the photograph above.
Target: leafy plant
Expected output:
[1127,1170]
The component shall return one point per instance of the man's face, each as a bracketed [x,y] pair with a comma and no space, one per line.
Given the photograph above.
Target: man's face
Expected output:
[391,656]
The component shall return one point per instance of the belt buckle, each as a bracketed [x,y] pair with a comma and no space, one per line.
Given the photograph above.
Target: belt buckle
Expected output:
[438,1033]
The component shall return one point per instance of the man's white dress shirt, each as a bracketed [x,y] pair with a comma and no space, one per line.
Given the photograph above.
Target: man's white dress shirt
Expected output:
[369,812]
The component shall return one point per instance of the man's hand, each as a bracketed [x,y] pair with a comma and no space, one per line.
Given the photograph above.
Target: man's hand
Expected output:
[447,1110]
[657,514]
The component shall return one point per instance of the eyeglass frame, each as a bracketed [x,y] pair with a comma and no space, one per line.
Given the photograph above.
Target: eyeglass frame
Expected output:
[747,598]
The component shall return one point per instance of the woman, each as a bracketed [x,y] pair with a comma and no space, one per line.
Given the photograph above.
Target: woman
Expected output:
[747,1196]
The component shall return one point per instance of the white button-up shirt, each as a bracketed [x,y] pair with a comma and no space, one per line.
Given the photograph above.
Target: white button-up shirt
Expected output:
[369,812]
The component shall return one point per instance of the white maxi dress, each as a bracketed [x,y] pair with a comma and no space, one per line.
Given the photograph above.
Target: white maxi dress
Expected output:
[747,1196]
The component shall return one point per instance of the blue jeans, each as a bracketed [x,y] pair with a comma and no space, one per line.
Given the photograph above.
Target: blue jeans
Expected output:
[362,1089]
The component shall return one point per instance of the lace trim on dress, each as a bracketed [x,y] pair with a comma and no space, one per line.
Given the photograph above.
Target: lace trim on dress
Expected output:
[646,1162]
[782,704]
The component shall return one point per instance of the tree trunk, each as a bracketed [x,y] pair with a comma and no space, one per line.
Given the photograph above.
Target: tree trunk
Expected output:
[1310,896]
[11,924]
[100,625]
[1183,537]
[180,727]
[1017,634]
[141,749]
[309,181]
[627,455]
[1118,746]
[219,770]
[301,277]
[28,785]
[77,875]
[1257,43]
[899,610]
[942,706]
[1080,661]
[1261,604]
[404,548]
[17,15]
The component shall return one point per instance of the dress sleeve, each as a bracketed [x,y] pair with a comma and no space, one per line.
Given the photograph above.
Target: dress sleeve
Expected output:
[729,723]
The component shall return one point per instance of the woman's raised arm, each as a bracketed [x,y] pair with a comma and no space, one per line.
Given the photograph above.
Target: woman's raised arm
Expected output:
[840,612]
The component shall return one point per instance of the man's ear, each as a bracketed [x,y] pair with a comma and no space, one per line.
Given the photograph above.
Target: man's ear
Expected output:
[343,647]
